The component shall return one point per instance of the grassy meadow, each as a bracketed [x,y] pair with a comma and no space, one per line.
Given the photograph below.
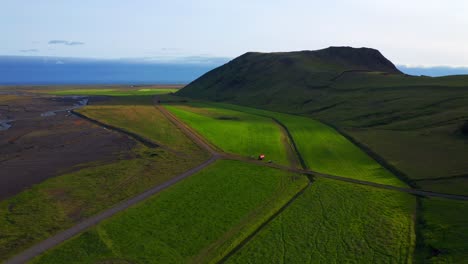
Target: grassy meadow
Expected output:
[336,222]
[196,220]
[60,202]
[236,132]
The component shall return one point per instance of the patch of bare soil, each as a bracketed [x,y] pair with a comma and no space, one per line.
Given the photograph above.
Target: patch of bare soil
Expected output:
[37,147]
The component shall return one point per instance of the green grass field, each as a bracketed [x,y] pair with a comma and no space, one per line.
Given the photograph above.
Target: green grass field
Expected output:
[235,132]
[138,115]
[114,92]
[60,202]
[324,150]
[444,231]
[335,222]
[447,172]
[197,220]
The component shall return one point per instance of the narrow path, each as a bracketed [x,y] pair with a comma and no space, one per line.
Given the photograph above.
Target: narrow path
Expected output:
[84,225]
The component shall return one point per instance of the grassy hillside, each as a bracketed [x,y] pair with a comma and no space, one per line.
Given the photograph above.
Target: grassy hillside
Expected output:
[414,123]
[275,78]
[196,220]
[335,222]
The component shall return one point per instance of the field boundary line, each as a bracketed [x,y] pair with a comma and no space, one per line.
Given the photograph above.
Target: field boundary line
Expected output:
[293,143]
[147,142]
[417,192]
[55,240]
[264,224]
[453,177]
[376,157]
[199,140]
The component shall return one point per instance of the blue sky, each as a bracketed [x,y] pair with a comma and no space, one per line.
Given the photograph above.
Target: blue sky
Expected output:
[416,32]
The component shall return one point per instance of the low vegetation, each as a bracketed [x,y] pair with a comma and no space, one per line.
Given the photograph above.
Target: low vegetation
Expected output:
[433,160]
[62,201]
[444,231]
[138,115]
[336,222]
[235,132]
[197,220]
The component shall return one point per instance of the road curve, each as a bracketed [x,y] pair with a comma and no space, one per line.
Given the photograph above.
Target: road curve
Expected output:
[84,225]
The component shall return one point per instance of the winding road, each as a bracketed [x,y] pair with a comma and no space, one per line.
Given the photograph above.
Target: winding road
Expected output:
[215,155]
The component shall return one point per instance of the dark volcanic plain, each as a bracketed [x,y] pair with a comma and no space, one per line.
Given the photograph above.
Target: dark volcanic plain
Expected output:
[40,145]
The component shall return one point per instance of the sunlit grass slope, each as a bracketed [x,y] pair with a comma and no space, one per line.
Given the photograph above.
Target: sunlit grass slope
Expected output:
[235,132]
[325,150]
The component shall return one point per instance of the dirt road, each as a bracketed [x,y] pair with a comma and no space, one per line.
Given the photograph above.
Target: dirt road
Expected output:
[75,230]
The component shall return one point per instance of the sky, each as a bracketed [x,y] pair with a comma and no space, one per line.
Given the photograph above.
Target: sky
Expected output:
[412,33]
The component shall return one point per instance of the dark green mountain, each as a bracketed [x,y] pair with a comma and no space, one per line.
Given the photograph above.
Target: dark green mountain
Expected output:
[416,123]
[285,75]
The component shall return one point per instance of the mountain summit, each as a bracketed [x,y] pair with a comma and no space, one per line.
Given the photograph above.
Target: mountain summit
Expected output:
[266,77]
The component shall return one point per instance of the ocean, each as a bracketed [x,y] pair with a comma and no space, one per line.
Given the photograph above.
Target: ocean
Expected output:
[22,70]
